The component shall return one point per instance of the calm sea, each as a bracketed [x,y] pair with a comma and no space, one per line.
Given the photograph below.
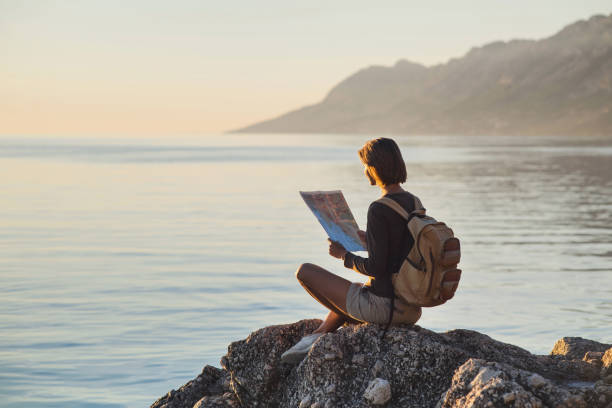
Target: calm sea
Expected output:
[126,265]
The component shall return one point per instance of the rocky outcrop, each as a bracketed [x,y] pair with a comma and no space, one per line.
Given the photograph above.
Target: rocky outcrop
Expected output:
[211,382]
[410,366]
[478,383]
[577,347]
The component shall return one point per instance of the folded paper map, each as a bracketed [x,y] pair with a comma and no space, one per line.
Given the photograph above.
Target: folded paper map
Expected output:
[335,216]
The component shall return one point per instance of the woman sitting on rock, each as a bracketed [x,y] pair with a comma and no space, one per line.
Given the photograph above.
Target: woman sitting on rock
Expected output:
[387,240]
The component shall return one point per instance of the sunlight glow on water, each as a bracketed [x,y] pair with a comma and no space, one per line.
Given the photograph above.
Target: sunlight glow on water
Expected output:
[127,265]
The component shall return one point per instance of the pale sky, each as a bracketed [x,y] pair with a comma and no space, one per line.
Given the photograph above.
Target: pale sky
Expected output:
[140,67]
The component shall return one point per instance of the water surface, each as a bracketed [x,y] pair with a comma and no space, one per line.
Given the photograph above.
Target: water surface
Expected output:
[128,264]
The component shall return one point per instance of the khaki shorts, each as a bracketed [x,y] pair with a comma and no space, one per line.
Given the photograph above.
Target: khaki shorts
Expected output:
[363,305]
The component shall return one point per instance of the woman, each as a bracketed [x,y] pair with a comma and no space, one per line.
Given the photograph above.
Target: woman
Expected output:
[387,240]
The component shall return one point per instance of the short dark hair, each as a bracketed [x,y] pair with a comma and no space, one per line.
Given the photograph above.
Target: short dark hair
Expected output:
[384,156]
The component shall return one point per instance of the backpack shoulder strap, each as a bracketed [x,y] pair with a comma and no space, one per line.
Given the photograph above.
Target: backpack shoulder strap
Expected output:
[394,205]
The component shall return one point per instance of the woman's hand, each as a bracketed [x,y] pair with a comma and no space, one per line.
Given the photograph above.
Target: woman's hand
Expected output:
[336,249]
[362,237]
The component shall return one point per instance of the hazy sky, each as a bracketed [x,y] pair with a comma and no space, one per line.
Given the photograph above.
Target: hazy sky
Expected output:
[168,67]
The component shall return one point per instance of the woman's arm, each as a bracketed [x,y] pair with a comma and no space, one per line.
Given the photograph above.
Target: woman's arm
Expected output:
[378,246]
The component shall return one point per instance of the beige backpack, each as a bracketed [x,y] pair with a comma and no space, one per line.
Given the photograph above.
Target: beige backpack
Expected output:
[429,275]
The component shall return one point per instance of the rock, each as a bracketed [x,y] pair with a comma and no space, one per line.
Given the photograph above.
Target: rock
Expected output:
[594,358]
[330,356]
[464,367]
[509,397]
[246,359]
[575,348]
[378,366]
[209,382]
[593,355]
[358,359]
[604,389]
[423,372]
[378,391]
[226,400]
[305,402]
[483,377]
[536,381]
[606,362]
[478,383]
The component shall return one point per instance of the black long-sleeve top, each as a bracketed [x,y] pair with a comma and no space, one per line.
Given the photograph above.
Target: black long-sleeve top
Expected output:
[388,242]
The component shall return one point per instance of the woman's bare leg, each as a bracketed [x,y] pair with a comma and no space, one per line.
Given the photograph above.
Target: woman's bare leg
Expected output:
[331,323]
[330,290]
[334,319]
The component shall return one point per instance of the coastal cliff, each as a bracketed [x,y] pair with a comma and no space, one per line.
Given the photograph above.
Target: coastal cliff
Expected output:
[560,85]
[410,367]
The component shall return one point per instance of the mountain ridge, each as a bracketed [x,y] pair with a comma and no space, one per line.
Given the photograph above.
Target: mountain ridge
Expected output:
[561,84]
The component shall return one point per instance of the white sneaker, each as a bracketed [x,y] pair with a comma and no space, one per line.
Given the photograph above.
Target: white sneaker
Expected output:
[296,353]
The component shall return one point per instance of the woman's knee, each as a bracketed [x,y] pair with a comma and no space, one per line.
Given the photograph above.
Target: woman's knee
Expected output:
[303,271]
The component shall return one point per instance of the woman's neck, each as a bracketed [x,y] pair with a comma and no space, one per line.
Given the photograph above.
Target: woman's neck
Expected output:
[391,189]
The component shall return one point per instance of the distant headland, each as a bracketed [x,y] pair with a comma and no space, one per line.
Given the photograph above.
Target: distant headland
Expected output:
[560,85]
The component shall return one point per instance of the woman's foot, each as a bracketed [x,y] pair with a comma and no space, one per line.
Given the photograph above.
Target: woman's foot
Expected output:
[296,353]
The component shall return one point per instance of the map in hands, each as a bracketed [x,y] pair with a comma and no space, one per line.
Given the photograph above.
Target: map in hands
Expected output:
[335,216]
